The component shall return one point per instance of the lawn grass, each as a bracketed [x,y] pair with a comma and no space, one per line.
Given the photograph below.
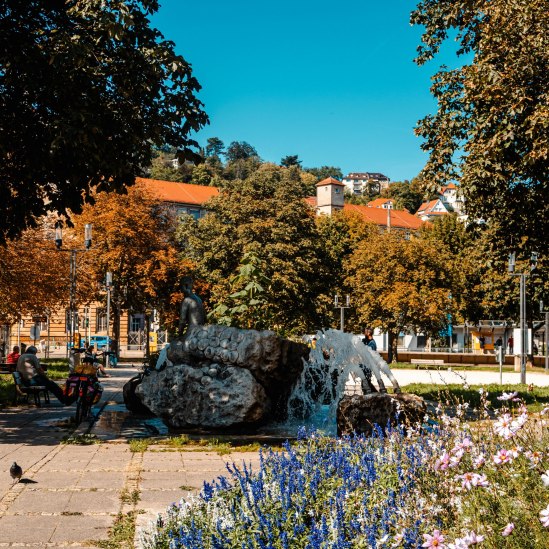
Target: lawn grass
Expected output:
[535,399]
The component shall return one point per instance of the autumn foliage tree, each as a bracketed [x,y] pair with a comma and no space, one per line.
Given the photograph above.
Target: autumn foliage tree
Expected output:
[133,237]
[400,285]
[34,278]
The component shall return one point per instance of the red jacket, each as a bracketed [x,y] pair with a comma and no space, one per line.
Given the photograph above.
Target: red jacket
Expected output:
[12,358]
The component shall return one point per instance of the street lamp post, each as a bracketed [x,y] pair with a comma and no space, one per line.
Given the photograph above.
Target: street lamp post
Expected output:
[73,252]
[546,311]
[339,305]
[522,307]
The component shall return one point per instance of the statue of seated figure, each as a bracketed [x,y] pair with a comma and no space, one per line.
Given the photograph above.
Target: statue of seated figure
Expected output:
[192,309]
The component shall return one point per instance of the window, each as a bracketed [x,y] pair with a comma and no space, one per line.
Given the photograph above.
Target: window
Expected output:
[101,320]
[337,190]
[137,323]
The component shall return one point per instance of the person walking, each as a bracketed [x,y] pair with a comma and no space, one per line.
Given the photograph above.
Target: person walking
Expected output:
[510,343]
[32,373]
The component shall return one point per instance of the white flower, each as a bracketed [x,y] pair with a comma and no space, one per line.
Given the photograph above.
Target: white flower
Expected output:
[545,478]
[507,396]
[503,426]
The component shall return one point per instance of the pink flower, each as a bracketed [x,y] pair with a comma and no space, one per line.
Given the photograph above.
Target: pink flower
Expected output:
[435,541]
[472,538]
[502,457]
[455,460]
[515,451]
[442,462]
[544,517]
[473,479]
[503,426]
[534,457]
[467,480]
[479,461]
[507,396]
[464,445]
[508,529]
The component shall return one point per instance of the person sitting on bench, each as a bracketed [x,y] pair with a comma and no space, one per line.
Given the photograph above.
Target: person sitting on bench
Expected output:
[33,374]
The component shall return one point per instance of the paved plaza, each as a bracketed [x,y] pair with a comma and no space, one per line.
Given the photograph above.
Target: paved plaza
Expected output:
[70,495]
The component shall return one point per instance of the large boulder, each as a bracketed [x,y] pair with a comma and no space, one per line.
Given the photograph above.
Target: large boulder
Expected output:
[211,396]
[274,362]
[359,413]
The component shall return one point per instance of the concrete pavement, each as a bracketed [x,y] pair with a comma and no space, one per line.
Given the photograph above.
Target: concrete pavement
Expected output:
[70,495]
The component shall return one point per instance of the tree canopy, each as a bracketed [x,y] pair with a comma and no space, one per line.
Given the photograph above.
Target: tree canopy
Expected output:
[491,130]
[264,215]
[87,89]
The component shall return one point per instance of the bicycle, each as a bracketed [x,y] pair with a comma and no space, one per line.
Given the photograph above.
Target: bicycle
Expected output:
[132,402]
[86,391]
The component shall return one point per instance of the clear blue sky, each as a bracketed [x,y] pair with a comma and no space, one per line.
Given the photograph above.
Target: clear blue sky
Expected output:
[333,82]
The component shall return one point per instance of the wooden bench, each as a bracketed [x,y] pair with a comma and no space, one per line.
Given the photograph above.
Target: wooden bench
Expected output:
[6,368]
[427,361]
[22,390]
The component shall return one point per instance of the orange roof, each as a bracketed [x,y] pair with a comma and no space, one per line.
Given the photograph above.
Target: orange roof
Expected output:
[180,193]
[399,218]
[329,181]
[379,202]
[449,186]
[426,207]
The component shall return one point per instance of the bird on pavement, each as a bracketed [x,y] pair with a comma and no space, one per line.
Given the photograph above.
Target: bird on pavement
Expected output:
[16,472]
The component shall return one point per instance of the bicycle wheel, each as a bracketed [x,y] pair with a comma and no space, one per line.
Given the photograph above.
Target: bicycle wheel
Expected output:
[82,408]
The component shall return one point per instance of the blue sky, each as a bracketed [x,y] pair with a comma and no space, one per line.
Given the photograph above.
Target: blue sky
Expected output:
[333,82]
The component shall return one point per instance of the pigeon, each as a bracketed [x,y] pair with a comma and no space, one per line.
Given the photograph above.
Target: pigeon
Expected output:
[16,472]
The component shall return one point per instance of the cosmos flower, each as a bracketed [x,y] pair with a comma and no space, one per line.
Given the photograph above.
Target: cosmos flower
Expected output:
[436,541]
[508,530]
[544,517]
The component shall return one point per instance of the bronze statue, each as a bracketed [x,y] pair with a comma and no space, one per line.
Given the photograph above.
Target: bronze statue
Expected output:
[192,309]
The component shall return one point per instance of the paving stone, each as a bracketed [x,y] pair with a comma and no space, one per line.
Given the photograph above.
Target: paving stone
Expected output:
[111,480]
[48,479]
[22,529]
[94,502]
[40,501]
[79,529]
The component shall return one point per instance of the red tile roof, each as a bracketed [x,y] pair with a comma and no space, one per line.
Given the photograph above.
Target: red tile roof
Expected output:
[179,193]
[379,202]
[426,207]
[399,218]
[329,181]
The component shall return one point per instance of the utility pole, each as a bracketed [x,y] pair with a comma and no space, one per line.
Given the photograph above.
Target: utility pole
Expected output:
[73,313]
[108,284]
[522,309]
[339,305]
[546,311]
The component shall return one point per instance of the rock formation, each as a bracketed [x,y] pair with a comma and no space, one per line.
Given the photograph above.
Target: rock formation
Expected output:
[359,413]
[224,378]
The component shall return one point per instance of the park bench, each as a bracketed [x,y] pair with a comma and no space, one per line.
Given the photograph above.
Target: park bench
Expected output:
[427,361]
[22,390]
[6,368]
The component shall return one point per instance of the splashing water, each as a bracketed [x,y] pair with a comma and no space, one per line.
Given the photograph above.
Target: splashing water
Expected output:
[163,359]
[339,364]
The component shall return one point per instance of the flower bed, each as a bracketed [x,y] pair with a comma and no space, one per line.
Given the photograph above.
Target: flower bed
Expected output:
[451,485]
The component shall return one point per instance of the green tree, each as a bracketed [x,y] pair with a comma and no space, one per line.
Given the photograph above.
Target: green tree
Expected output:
[266,215]
[291,160]
[491,130]
[88,89]
[405,196]
[400,285]
[215,147]
[324,172]
[247,302]
[240,150]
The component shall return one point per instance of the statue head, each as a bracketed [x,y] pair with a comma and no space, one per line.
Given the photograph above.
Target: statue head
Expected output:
[187,285]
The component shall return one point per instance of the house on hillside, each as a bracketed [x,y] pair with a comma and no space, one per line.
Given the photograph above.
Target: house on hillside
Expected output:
[385,203]
[451,197]
[432,209]
[365,182]
[184,198]
[329,199]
